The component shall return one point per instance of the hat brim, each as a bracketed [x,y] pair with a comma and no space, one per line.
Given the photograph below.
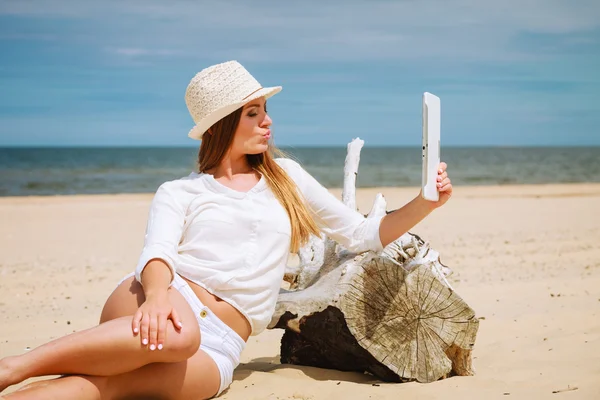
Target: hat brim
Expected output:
[197,131]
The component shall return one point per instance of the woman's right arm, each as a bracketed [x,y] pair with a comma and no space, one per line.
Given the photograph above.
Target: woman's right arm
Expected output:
[163,231]
[156,267]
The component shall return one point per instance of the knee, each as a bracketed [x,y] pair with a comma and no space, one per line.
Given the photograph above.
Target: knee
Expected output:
[184,343]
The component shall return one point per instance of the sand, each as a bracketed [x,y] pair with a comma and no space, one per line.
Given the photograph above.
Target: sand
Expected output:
[526,259]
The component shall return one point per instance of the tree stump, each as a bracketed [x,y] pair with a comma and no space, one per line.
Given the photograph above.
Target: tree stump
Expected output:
[392,314]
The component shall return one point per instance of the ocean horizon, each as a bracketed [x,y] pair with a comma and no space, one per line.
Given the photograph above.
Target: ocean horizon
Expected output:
[27,171]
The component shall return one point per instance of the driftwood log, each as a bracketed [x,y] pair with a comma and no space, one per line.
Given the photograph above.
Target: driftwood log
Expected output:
[392,314]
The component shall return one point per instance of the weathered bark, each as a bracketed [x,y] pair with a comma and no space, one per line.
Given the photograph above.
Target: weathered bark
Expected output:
[392,314]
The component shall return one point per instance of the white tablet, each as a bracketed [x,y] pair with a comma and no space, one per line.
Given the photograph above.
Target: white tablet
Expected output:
[431,146]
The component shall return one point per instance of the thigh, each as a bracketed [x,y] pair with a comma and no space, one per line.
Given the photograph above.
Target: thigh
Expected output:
[124,300]
[196,378]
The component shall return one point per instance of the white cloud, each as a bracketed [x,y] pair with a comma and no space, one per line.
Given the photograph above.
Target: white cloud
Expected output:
[271,31]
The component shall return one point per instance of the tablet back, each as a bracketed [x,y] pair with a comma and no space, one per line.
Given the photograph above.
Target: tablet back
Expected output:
[431,145]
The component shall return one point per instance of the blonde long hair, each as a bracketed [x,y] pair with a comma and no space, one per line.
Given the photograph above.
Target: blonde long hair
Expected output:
[213,149]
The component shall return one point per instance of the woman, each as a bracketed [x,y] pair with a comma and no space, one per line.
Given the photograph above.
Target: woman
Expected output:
[215,250]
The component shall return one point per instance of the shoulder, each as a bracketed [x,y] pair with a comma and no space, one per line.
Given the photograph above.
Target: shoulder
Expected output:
[286,162]
[293,169]
[303,179]
[290,166]
[182,188]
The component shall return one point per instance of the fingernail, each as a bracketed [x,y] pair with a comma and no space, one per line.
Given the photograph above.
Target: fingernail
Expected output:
[152,347]
[145,342]
[439,185]
[180,324]
[135,330]
[160,346]
[441,171]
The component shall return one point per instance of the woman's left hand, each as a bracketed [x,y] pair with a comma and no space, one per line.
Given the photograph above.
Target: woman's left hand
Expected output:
[444,186]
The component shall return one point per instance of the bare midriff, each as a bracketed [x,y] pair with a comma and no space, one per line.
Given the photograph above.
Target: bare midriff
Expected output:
[222,309]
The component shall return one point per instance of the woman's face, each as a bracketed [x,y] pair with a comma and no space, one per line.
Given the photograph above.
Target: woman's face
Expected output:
[252,134]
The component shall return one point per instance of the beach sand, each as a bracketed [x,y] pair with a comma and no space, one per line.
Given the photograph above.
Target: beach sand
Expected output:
[525,258]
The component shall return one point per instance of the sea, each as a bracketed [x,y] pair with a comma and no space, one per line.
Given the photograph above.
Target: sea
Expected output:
[67,171]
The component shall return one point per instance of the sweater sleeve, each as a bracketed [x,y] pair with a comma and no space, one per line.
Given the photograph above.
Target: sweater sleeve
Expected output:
[163,230]
[344,225]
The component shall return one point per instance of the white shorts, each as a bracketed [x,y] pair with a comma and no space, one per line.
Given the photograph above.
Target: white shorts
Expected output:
[217,339]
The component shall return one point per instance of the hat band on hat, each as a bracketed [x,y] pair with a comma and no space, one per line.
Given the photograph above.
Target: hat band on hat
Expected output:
[260,88]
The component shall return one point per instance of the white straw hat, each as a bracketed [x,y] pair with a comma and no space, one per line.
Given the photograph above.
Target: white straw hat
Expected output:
[219,90]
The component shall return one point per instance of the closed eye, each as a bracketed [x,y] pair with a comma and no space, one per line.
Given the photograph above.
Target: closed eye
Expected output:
[253,107]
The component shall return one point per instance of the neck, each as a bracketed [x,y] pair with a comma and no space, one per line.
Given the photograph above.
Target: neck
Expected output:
[231,166]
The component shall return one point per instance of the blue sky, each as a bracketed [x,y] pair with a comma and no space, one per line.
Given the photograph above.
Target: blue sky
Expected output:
[509,73]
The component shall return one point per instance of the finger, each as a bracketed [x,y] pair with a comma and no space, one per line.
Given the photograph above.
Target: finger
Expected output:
[442,176]
[443,166]
[446,188]
[443,183]
[162,331]
[176,320]
[135,322]
[144,329]
[153,331]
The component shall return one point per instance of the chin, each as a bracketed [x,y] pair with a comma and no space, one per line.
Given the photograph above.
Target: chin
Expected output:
[258,149]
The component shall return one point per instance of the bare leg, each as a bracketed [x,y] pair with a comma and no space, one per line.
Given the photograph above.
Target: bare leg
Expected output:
[107,349]
[197,377]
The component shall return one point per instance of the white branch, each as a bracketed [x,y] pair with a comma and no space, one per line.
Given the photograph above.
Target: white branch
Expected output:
[312,257]
[350,172]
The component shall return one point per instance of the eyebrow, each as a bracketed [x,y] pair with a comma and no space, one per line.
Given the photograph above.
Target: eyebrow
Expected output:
[254,105]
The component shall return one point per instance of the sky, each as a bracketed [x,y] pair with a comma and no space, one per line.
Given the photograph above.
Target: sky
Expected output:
[114,72]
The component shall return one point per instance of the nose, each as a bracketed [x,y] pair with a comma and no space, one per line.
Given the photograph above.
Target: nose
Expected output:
[267,121]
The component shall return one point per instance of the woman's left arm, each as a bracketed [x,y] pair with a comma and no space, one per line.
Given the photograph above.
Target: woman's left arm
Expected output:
[352,229]
[399,222]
